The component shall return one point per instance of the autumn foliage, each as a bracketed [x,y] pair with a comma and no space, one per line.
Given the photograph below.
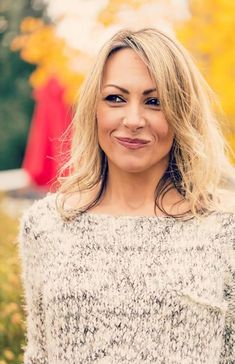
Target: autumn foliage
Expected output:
[12,317]
[209,35]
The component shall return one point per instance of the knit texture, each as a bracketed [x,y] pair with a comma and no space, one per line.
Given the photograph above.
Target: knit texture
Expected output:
[127,289]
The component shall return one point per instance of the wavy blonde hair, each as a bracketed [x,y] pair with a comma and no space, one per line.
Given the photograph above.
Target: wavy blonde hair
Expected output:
[198,168]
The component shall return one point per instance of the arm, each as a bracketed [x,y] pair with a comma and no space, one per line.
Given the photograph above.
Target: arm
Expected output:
[228,347]
[29,244]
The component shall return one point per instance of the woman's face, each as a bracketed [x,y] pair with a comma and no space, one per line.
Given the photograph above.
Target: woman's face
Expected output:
[129,107]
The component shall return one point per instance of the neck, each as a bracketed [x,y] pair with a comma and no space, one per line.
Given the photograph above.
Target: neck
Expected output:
[135,191]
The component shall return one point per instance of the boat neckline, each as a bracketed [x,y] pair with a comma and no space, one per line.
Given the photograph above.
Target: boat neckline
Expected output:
[188,218]
[136,217]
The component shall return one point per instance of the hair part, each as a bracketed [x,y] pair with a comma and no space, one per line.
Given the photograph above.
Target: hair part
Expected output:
[198,168]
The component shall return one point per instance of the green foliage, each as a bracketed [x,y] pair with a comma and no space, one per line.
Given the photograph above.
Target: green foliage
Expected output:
[16,103]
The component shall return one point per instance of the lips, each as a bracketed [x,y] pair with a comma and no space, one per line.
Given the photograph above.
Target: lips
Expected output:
[134,141]
[130,143]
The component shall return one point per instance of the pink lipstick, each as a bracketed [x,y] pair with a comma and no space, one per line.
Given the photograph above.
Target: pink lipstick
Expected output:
[133,143]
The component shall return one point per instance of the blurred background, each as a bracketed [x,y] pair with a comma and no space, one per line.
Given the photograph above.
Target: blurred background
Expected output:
[46,48]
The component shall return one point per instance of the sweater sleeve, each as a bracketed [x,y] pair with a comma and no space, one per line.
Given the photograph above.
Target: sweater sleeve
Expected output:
[228,346]
[29,240]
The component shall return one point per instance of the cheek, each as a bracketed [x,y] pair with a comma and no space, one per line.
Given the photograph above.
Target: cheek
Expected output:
[102,122]
[107,120]
[104,126]
[162,128]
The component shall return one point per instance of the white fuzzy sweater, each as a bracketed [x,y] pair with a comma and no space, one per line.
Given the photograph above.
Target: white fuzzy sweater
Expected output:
[127,289]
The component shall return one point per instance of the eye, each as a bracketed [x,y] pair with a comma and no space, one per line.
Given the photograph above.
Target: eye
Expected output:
[114,99]
[153,101]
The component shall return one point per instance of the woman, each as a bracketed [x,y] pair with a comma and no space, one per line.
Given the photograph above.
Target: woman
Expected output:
[132,260]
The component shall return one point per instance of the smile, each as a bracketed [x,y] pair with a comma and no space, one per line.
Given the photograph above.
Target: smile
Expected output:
[131,145]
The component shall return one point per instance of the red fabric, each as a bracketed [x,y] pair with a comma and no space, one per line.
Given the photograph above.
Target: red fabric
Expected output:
[50,120]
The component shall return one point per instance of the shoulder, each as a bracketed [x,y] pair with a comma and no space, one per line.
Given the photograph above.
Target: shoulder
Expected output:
[40,209]
[37,219]
[226,213]
[227,201]
[226,236]
[223,223]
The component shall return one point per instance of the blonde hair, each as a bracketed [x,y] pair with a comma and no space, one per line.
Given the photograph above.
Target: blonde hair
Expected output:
[198,168]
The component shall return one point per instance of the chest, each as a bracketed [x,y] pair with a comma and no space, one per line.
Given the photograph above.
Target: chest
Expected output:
[125,263]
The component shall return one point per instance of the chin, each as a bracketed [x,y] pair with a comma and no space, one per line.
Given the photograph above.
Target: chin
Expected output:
[132,168]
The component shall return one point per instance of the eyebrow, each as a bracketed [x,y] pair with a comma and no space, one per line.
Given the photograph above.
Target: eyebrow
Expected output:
[146,92]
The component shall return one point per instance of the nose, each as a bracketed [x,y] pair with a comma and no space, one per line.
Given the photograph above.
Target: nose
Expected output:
[133,118]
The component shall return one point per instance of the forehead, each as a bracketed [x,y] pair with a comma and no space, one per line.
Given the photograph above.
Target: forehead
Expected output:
[126,65]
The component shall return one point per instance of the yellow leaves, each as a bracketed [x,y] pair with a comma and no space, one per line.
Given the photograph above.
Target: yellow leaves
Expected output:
[74,81]
[108,15]
[39,77]
[39,44]
[209,35]
[34,33]
[30,25]
[34,52]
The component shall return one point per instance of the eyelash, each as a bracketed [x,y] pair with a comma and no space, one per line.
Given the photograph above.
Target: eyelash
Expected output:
[111,98]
